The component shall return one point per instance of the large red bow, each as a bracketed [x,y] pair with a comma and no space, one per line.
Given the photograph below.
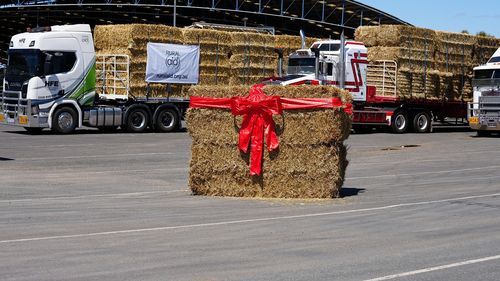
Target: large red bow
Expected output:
[257,110]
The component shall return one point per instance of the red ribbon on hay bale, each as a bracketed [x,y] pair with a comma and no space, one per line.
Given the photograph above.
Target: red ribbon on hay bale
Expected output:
[257,109]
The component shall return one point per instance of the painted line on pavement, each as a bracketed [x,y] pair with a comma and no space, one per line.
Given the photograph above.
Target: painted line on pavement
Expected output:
[435,268]
[92,196]
[93,156]
[224,223]
[425,173]
[58,175]
[441,159]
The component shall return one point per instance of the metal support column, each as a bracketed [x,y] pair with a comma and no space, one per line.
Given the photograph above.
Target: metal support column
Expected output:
[323,11]
[361,19]
[343,14]
[342,61]
[303,8]
[175,13]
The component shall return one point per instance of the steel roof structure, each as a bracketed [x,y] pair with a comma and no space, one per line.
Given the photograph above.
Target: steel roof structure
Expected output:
[318,18]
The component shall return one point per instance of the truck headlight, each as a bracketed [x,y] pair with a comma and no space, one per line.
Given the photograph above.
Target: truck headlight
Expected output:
[35,110]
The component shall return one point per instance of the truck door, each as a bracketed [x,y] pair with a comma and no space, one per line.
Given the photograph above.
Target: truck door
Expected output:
[63,67]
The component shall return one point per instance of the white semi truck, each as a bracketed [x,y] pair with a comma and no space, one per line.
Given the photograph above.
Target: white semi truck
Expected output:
[484,111]
[54,80]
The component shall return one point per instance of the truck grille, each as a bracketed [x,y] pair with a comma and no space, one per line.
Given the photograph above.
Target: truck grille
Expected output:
[11,103]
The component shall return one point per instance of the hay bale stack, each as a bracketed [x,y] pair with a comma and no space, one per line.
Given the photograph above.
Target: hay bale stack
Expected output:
[455,53]
[412,48]
[431,64]
[312,167]
[215,49]
[252,58]
[484,48]
[131,40]
[407,59]
[396,36]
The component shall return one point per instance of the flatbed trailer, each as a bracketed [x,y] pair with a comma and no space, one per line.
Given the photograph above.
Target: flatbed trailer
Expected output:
[422,115]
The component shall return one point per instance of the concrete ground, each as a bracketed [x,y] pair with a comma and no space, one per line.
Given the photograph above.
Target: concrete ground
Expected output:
[116,206]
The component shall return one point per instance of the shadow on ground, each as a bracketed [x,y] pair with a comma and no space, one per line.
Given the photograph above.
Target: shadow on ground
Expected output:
[350,191]
[5,159]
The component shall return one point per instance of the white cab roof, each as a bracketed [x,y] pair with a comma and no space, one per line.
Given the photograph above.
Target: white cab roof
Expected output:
[71,28]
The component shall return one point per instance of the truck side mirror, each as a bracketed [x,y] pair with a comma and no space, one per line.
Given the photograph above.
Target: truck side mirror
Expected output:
[47,65]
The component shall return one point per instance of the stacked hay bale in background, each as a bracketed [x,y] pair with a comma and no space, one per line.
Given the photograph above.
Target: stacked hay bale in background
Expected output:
[312,167]
[431,64]
[454,61]
[131,40]
[484,48]
[226,58]
[215,50]
[413,49]
[252,57]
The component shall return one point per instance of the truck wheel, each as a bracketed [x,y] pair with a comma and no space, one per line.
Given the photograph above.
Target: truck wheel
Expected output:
[422,123]
[64,120]
[167,120]
[137,120]
[399,123]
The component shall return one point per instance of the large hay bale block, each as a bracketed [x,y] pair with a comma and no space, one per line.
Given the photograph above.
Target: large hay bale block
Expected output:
[131,40]
[415,59]
[455,52]
[432,64]
[294,172]
[312,167]
[485,47]
[134,36]
[396,36]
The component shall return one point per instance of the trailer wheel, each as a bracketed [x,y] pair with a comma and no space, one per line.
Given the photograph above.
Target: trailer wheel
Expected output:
[137,120]
[399,123]
[167,120]
[422,122]
[64,120]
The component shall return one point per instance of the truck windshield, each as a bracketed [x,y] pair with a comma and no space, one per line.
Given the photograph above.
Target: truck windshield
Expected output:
[301,65]
[23,64]
[483,74]
[494,59]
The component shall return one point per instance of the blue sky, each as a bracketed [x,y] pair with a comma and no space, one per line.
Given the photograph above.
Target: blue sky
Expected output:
[446,15]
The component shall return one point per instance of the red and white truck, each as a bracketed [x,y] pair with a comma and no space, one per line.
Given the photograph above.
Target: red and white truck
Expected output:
[376,103]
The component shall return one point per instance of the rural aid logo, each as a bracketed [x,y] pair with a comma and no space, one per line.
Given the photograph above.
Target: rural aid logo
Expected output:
[172,62]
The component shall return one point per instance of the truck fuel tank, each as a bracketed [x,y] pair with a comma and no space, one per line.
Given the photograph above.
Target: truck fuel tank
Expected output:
[103,116]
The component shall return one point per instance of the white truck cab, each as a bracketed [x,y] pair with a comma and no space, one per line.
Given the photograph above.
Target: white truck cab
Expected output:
[47,67]
[302,66]
[484,111]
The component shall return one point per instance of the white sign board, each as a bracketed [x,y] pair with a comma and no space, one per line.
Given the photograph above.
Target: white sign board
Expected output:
[172,63]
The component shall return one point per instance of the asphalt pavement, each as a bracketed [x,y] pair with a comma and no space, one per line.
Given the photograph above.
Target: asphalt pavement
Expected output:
[116,206]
